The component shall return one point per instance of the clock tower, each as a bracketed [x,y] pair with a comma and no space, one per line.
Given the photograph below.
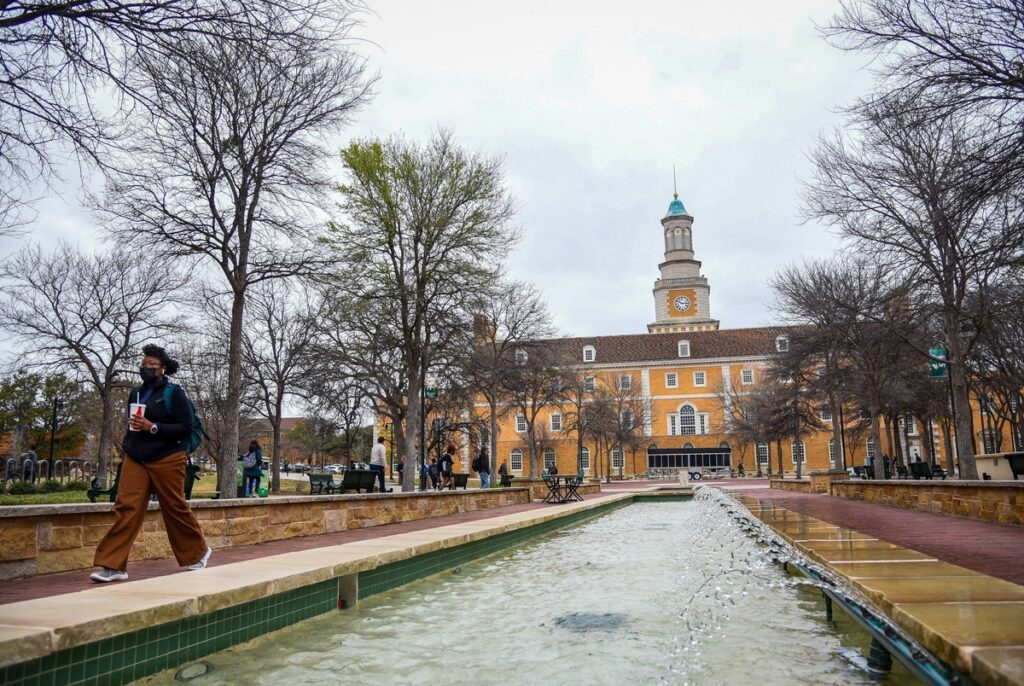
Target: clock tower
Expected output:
[682,299]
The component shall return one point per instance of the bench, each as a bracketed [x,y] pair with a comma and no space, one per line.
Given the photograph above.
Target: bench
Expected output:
[354,480]
[921,470]
[319,483]
[96,491]
[1016,461]
[459,481]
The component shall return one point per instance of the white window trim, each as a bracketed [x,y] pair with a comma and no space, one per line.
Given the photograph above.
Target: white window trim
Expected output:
[523,429]
[782,344]
[555,415]
[585,451]
[704,379]
[803,452]
[512,462]
[743,375]
[628,382]
[590,383]
[618,458]
[589,353]
[554,457]
[825,414]
[683,348]
[671,380]
[767,453]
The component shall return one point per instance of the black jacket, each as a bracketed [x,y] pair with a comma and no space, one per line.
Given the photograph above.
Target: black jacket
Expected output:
[172,427]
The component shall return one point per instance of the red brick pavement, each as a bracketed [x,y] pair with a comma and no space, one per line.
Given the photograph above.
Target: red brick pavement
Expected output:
[70,582]
[993,549]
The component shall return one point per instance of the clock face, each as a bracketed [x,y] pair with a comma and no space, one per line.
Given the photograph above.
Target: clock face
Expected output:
[682,303]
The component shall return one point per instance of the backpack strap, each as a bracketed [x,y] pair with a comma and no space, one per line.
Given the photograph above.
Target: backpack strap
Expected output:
[168,392]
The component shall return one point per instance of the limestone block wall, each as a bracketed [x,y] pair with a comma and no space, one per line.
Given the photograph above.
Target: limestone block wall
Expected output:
[800,485]
[1001,502]
[43,539]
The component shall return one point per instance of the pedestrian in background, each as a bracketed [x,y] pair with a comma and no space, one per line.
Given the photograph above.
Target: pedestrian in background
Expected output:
[379,461]
[482,465]
[252,469]
[445,467]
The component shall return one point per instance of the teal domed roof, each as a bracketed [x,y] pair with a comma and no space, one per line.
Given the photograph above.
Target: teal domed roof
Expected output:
[676,208]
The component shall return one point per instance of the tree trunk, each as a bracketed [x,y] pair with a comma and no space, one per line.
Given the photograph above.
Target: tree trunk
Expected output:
[227,467]
[275,465]
[876,441]
[106,431]
[778,453]
[893,426]
[947,444]
[837,434]
[926,440]
[961,399]
[412,458]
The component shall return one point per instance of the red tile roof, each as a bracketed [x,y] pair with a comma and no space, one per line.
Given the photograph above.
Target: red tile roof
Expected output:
[650,347]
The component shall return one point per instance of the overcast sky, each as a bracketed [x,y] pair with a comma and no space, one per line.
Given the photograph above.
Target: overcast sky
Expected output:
[592,103]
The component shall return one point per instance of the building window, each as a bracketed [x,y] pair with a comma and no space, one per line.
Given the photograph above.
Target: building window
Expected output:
[684,348]
[589,353]
[832,450]
[785,377]
[799,454]
[671,380]
[625,382]
[910,424]
[520,423]
[521,357]
[673,424]
[865,415]
[984,405]
[549,458]
[585,459]
[747,377]
[700,379]
[617,461]
[589,383]
[702,423]
[762,453]
[826,414]
[782,344]
[626,419]
[687,421]
[516,460]
[988,441]
[556,422]
[871,449]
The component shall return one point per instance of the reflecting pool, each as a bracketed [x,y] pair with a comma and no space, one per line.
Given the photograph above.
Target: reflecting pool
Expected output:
[653,593]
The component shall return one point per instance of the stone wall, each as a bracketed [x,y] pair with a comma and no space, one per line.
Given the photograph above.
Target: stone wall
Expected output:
[1001,502]
[43,539]
[802,485]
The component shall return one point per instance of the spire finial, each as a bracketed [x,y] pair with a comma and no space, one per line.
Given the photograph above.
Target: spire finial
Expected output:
[675,190]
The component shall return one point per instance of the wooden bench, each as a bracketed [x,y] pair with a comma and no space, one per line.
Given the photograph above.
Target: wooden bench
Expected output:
[319,483]
[355,480]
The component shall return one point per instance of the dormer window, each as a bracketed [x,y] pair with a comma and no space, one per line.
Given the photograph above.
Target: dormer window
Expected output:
[589,353]
[782,344]
[684,348]
[521,357]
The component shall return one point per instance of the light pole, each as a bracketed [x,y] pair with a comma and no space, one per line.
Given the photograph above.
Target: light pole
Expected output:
[58,404]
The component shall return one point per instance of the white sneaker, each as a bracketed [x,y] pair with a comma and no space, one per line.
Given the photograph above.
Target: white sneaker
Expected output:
[107,574]
[201,564]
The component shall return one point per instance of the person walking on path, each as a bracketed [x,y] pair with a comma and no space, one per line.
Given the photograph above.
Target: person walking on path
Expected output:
[432,473]
[447,462]
[154,460]
[252,469]
[506,480]
[379,461]
[482,465]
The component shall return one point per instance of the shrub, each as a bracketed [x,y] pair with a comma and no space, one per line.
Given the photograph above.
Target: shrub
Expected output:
[76,485]
[22,488]
[51,486]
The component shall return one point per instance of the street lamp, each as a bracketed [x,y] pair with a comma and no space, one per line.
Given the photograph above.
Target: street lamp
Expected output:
[58,404]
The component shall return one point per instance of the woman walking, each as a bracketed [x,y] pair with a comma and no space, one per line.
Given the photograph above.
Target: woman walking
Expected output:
[154,461]
[252,469]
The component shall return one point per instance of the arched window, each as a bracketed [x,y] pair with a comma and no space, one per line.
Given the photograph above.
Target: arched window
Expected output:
[762,453]
[687,445]
[724,444]
[799,454]
[589,353]
[687,420]
[516,460]
[549,458]
[617,460]
[585,459]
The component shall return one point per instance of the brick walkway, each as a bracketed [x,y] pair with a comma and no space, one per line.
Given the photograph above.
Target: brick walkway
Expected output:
[70,582]
[993,549]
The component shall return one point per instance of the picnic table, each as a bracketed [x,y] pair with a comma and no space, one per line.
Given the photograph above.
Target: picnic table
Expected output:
[562,488]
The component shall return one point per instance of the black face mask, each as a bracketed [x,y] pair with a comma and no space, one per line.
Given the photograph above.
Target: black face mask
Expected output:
[147,373]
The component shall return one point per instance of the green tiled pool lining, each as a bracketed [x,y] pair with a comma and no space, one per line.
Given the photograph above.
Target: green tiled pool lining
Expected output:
[125,658]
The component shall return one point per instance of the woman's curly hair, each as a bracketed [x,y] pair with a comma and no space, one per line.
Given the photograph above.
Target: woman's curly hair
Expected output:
[153,350]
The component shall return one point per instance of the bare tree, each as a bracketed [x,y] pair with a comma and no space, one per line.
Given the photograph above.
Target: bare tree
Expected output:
[513,322]
[87,313]
[427,229]
[919,194]
[229,164]
[276,344]
[532,388]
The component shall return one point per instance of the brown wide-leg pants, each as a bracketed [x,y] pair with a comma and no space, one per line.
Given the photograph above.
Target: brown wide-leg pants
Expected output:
[167,477]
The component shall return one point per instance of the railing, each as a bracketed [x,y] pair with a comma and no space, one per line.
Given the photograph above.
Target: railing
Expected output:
[33,471]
